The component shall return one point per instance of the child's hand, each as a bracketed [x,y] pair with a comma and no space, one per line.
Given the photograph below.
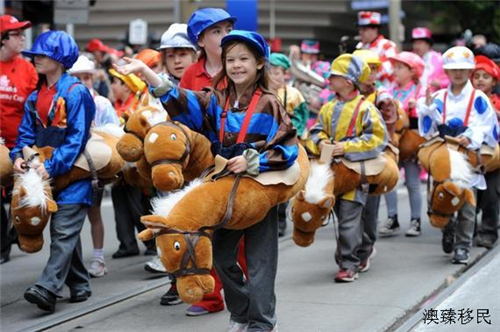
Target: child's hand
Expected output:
[429,99]
[18,165]
[133,66]
[463,141]
[237,164]
[338,149]
[40,169]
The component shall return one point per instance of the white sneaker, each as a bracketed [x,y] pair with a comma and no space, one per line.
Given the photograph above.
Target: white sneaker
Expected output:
[155,266]
[237,327]
[98,268]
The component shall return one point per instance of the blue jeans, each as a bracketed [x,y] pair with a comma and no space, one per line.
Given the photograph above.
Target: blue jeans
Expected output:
[412,175]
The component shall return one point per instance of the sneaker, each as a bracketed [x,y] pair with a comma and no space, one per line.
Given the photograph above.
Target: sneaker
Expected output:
[98,268]
[448,241]
[195,310]
[237,327]
[390,227]
[414,229]
[364,266]
[346,275]
[461,256]
[171,297]
[155,266]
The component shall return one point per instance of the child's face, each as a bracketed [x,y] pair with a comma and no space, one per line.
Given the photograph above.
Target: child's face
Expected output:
[119,89]
[402,74]
[210,38]
[458,76]
[46,65]
[86,79]
[338,83]
[483,81]
[373,74]
[308,57]
[420,47]
[241,65]
[278,74]
[367,34]
[178,60]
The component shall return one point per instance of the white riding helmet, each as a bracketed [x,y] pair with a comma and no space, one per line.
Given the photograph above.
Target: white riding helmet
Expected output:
[82,65]
[176,37]
[458,57]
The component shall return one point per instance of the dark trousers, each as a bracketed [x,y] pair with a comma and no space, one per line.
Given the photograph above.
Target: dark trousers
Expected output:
[128,203]
[282,217]
[8,233]
[489,202]
[65,264]
[251,301]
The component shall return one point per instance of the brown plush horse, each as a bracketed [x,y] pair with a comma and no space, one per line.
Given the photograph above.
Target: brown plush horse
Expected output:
[310,208]
[5,166]
[184,220]
[176,155]
[402,124]
[31,207]
[130,145]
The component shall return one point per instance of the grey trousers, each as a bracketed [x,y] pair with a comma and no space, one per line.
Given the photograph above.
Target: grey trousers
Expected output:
[65,264]
[463,226]
[412,182]
[370,217]
[489,203]
[251,301]
[354,245]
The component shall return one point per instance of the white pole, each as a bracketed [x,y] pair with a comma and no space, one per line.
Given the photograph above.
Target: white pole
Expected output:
[177,11]
[272,20]
[395,21]
[70,29]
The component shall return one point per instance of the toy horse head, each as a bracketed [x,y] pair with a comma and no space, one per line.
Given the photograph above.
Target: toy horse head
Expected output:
[310,208]
[448,193]
[167,149]
[130,146]
[32,206]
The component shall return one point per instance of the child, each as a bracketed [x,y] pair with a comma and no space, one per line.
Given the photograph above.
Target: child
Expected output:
[66,128]
[484,77]
[357,131]
[84,69]
[271,144]
[127,92]
[466,113]
[407,69]
[178,53]
[294,104]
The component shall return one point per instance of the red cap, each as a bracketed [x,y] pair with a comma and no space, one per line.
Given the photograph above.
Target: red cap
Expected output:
[488,66]
[96,45]
[8,23]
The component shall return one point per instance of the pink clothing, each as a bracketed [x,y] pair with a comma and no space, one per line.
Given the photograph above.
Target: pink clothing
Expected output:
[410,92]
[434,71]
[385,48]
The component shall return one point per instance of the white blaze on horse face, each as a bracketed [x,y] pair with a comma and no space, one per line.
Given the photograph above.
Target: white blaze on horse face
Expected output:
[153,137]
[158,250]
[455,201]
[306,216]
[35,221]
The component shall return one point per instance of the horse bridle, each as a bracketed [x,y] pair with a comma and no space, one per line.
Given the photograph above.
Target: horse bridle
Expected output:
[187,151]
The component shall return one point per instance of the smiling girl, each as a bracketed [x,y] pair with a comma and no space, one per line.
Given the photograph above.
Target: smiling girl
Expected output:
[270,144]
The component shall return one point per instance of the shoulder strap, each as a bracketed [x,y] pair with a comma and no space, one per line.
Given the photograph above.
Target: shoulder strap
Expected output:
[352,124]
[53,107]
[469,107]
[246,121]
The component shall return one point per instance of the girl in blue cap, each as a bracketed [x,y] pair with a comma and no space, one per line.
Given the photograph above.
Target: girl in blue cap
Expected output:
[270,144]
[59,114]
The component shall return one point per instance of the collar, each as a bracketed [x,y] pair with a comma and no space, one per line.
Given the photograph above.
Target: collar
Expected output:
[407,87]
[244,100]
[200,67]
[353,95]
[375,42]
[466,91]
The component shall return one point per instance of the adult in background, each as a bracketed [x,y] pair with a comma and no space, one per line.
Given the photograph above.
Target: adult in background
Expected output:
[18,79]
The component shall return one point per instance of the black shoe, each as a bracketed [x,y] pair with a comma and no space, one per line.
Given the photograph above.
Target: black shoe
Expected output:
[390,227]
[150,252]
[4,259]
[448,241]
[171,297]
[79,295]
[461,256]
[44,299]
[486,243]
[122,253]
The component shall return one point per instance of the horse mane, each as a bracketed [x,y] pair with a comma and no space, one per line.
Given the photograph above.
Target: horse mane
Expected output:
[319,176]
[36,190]
[461,169]
[154,116]
[2,141]
[162,206]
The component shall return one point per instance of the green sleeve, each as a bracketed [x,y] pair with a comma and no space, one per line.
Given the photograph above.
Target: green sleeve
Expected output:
[300,117]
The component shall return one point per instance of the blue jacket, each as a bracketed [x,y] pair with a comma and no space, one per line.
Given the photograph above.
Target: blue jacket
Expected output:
[80,111]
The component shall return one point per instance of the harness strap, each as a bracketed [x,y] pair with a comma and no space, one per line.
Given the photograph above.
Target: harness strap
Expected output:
[93,171]
[246,121]
[469,107]
[352,124]
[186,153]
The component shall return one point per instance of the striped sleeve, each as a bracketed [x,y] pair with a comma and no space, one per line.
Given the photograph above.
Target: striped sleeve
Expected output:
[321,129]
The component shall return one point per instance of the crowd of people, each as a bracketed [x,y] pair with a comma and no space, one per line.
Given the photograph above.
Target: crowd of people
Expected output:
[213,74]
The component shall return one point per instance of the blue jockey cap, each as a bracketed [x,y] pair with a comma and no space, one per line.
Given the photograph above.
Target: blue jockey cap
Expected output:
[250,37]
[57,45]
[203,19]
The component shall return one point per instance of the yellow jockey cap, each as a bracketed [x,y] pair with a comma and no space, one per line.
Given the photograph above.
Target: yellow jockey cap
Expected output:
[133,82]
[368,56]
[351,67]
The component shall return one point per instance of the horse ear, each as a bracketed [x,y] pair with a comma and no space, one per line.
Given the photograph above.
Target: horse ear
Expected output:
[52,206]
[327,202]
[469,197]
[301,196]
[154,222]
[143,121]
[452,188]
[145,100]
[146,235]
